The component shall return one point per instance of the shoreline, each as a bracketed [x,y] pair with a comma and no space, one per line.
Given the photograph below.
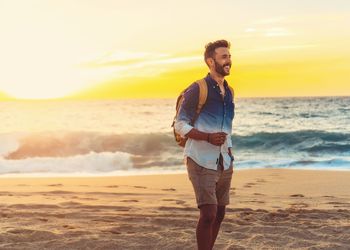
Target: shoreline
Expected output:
[156,173]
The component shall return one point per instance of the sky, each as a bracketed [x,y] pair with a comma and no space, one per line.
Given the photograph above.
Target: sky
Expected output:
[104,49]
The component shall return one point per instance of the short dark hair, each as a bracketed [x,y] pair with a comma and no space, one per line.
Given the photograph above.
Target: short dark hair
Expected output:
[210,48]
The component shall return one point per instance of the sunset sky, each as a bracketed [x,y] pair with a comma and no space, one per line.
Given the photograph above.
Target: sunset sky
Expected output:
[104,49]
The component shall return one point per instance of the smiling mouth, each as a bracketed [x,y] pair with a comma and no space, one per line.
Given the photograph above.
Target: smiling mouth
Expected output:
[227,67]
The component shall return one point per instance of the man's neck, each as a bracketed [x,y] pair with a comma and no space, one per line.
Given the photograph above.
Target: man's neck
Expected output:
[218,78]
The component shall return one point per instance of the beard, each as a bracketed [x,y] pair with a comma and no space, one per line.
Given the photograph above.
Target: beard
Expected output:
[220,68]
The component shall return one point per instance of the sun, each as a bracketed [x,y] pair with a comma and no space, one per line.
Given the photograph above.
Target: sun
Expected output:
[38,84]
[39,77]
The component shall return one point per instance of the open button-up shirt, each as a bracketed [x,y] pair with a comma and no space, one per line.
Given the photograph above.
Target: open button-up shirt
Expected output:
[216,116]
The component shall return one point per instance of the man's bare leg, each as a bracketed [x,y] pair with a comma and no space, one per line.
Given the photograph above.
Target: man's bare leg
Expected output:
[204,231]
[220,214]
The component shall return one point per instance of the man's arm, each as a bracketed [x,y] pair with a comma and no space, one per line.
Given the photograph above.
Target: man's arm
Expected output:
[216,139]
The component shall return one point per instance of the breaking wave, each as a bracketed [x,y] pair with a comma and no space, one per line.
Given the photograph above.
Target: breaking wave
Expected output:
[89,152]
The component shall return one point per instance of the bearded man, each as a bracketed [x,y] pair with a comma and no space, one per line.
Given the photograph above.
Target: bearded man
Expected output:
[207,151]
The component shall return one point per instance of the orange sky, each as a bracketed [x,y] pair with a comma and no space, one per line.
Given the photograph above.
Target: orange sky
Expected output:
[115,49]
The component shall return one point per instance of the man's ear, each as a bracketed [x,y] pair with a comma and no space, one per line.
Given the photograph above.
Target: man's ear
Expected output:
[210,62]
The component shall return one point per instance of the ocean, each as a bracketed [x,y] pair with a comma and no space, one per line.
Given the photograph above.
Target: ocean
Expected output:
[130,137]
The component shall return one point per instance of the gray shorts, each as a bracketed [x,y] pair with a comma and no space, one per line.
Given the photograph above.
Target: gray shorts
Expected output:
[210,186]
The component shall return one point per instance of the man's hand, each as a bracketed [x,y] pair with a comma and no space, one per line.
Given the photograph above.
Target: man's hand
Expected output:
[217,139]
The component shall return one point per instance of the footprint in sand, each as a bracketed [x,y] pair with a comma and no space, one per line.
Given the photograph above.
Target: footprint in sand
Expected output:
[87,198]
[55,185]
[338,204]
[180,209]
[113,231]
[249,185]
[180,202]
[70,204]
[123,228]
[342,206]
[256,201]
[68,227]
[328,196]
[335,203]
[297,195]
[129,201]
[258,194]
[60,192]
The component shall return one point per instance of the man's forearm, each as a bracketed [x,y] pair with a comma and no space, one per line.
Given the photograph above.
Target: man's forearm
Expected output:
[198,135]
[216,139]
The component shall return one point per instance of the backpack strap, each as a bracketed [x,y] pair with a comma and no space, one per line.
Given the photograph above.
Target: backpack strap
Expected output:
[203,94]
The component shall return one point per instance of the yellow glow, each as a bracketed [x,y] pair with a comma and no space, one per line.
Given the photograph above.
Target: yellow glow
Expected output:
[110,49]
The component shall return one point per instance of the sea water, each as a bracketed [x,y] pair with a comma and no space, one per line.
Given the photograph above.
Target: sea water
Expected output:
[127,137]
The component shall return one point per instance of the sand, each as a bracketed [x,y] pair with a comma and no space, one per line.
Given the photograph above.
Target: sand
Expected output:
[270,209]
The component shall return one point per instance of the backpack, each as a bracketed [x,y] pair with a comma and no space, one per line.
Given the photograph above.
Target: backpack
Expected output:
[203,94]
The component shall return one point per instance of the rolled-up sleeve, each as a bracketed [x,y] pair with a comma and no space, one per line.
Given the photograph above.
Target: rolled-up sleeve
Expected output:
[187,111]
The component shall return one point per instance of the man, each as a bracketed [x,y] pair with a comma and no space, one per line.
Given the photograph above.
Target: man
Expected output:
[208,149]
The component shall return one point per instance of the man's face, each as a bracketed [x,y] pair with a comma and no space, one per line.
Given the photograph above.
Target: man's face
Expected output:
[222,61]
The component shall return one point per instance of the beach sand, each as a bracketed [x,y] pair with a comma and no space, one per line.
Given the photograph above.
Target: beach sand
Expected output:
[270,209]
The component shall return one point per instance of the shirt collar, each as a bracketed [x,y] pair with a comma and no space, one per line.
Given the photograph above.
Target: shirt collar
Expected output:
[212,82]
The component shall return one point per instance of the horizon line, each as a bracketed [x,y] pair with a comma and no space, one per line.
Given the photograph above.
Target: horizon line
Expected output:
[155,98]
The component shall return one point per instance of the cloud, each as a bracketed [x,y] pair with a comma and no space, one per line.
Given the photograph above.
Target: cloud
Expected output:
[277,31]
[250,30]
[277,48]
[122,58]
[127,63]
[272,20]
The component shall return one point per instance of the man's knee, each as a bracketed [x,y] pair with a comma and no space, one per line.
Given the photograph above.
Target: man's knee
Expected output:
[208,214]
[220,215]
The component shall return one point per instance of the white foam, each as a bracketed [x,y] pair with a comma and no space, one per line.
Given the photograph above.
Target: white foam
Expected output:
[92,163]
